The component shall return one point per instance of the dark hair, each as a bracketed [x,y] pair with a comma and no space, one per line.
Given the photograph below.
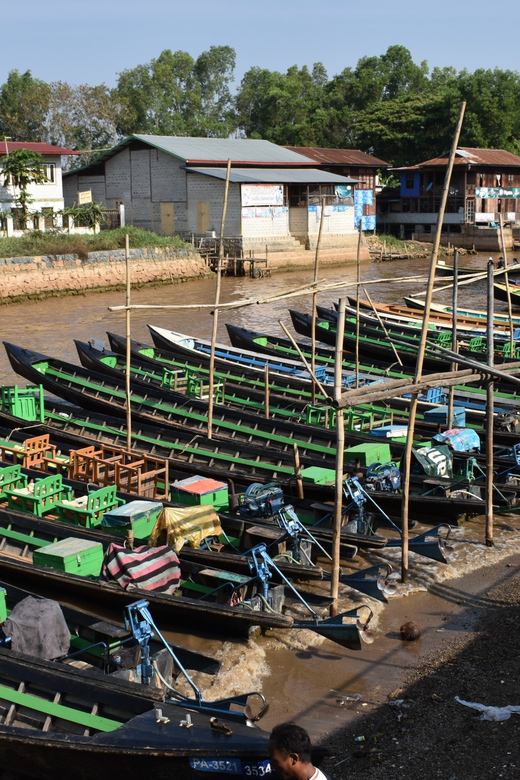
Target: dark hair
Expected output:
[291,738]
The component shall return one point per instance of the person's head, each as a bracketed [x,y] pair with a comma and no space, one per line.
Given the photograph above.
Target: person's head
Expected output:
[289,751]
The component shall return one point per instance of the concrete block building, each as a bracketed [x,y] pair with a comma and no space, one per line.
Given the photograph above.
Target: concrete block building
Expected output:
[176,186]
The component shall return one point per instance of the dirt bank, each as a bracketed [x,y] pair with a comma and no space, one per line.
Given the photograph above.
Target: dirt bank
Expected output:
[421,731]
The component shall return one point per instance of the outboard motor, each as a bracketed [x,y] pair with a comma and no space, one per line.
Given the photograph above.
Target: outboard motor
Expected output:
[508,422]
[383,476]
[261,500]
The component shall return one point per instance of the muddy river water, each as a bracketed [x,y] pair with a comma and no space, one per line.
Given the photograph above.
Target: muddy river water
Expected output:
[298,671]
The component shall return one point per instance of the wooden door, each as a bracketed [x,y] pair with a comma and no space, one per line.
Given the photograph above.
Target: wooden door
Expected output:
[202,217]
[167,222]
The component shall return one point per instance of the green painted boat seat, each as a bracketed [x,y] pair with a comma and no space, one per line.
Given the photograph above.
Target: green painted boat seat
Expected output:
[88,510]
[39,497]
[11,478]
[62,711]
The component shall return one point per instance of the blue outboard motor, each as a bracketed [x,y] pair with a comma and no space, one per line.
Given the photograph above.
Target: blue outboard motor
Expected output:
[383,476]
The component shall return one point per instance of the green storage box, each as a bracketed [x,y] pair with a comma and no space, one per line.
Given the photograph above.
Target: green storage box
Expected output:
[196,491]
[75,556]
[377,452]
[318,475]
[137,516]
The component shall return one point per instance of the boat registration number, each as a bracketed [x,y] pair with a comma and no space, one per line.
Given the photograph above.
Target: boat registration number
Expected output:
[231,766]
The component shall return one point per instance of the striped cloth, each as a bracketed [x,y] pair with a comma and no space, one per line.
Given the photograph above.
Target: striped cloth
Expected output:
[154,569]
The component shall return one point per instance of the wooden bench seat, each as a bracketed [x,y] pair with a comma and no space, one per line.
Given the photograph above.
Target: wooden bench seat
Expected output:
[90,513]
[11,478]
[40,497]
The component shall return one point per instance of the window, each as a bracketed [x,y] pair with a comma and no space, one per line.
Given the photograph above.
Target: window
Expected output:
[409,181]
[49,170]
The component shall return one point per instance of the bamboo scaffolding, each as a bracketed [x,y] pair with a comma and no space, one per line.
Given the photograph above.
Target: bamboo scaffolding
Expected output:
[127,371]
[422,346]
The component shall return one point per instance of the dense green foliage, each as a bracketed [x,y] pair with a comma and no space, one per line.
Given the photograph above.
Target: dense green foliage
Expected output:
[387,105]
[50,243]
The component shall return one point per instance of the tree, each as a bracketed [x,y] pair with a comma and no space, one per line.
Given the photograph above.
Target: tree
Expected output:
[177,95]
[24,103]
[19,169]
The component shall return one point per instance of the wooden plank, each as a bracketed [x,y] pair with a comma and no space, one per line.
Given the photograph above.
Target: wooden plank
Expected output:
[56,710]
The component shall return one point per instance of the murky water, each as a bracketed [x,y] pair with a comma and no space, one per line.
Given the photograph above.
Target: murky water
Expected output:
[296,670]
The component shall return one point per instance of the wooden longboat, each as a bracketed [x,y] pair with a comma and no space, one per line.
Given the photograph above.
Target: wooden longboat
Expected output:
[443,269]
[155,358]
[89,635]
[55,724]
[500,293]
[230,394]
[472,344]
[22,534]
[472,398]
[439,314]
[473,314]
[190,346]
[375,343]
[170,410]
[241,532]
[413,325]
[74,428]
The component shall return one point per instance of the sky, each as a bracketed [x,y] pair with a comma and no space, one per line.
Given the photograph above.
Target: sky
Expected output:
[90,43]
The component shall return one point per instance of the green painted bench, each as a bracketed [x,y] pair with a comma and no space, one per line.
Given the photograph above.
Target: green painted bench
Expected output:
[11,478]
[41,497]
[89,514]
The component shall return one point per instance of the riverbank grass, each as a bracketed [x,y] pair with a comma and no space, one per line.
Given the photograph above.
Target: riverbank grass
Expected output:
[52,242]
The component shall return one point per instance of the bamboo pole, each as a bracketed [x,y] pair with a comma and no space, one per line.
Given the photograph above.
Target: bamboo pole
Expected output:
[314,301]
[382,324]
[508,292]
[297,470]
[266,390]
[302,357]
[340,449]
[422,345]
[454,342]
[358,282]
[489,414]
[217,301]
[127,374]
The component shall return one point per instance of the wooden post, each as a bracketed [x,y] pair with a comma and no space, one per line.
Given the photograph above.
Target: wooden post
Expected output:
[422,346]
[489,412]
[314,299]
[506,277]
[297,470]
[454,341]
[217,301]
[127,376]
[266,390]
[340,449]
[358,282]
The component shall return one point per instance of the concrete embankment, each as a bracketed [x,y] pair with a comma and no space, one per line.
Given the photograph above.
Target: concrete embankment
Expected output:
[33,278]
[26,278]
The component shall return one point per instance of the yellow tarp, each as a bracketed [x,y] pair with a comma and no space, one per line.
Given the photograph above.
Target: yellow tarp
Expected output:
[176,525]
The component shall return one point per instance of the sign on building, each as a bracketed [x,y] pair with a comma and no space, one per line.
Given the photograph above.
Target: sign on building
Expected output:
[262,195]
[84,197]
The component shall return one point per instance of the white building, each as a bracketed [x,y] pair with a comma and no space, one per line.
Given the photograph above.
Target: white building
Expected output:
[47,197]
[176,185]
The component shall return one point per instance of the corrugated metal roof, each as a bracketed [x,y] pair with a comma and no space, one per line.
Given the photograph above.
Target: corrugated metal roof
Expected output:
[467,155]
[32,146]
[275,175]
[220,150]
[339,156]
